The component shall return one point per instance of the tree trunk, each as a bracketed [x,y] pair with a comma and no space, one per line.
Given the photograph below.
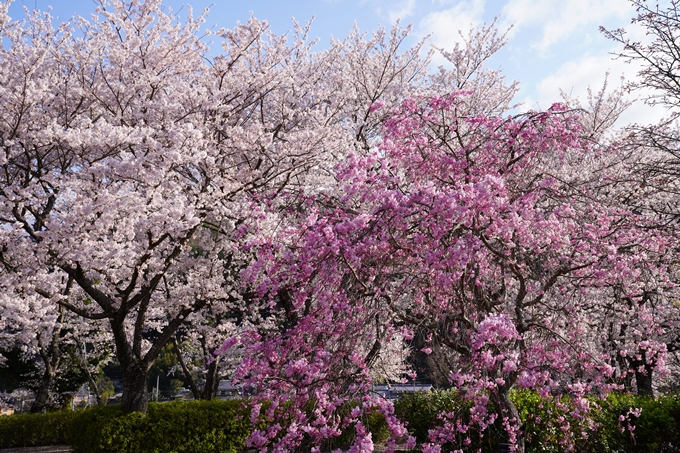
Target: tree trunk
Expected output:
[51,357]
[626,380]
[133,368]
[135,394]
[212,381]
[644,381]
[43,394]
[509,410]
[644,373]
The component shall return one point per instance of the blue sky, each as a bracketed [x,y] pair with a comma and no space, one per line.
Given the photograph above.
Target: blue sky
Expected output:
[553,44]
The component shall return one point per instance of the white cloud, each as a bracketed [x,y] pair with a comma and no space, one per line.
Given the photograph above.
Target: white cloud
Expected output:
[401,10]
[574,77]
[559,19]
[445,26]
[392,10]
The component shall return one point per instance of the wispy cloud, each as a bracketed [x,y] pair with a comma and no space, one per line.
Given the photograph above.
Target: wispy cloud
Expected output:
[559,19]
[574,77]
[393,10]
[401,10]
[446,25]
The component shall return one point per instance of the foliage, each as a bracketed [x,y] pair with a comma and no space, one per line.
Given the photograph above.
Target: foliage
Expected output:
[471,229]
[640,424]
[106,388]
[614,427]
[222,426]
[375,423]
[30,430]
[177,427]
[168,384]
[16,371]
[550,425]
[421,413]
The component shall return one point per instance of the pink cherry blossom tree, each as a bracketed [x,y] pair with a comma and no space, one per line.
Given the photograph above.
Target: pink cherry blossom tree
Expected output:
[472,228]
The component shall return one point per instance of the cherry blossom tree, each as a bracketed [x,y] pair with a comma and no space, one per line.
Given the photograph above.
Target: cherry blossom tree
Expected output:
[85,196]
[201,367]
[623,179]
[136,163]
[473,228]
[48,335]
[654,150]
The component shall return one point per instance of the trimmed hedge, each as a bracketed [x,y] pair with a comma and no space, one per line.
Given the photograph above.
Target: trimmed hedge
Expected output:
[374,421]
[657,430]
[420,411]
[222,426]
[34,430]
[177,427]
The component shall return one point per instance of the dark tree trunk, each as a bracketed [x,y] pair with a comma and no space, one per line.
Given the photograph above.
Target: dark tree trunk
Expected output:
[51,357]
[135,365]
[135,394]
[644,381]
[133,368]
[212,381]
[43,393]
[626,380]
[644,373]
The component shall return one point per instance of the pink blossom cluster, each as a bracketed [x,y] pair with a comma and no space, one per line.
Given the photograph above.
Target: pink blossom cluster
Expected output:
[462,227]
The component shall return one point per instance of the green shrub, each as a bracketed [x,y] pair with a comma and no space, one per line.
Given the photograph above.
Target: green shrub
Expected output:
[657,430]
[207,426]
[105,429]
[420,411]
[177,427]
[374,421]
[543,434]
[32,430]
[377,425]
[222,426]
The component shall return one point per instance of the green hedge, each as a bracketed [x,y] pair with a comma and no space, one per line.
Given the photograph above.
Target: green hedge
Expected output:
[374,421]
[420,411]
[222,426]
[657,430]
[543,435]
[34,430]
[177,427]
